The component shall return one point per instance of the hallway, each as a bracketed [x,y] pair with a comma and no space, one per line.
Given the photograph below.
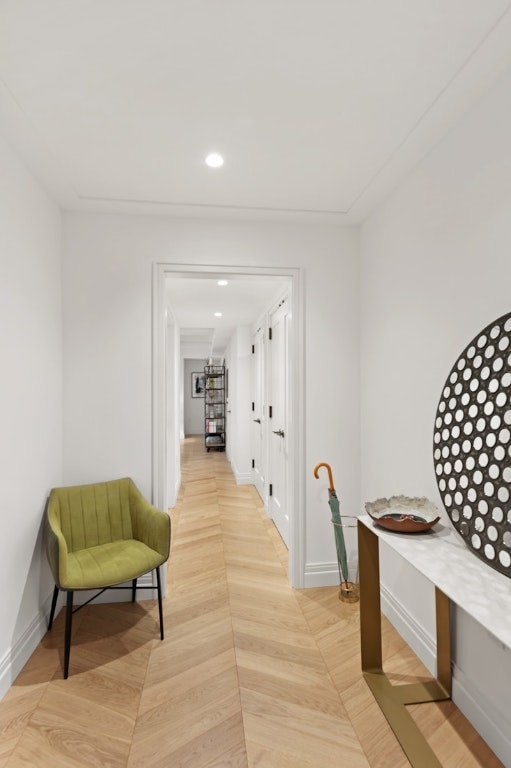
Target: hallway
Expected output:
[261,693]
[251,674]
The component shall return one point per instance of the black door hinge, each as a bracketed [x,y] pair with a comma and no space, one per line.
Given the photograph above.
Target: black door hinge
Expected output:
[253,463]
[269,334]
[270,490]
[253,349]
[270,411]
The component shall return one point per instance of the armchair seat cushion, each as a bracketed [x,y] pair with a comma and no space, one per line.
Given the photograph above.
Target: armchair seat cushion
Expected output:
[108,564]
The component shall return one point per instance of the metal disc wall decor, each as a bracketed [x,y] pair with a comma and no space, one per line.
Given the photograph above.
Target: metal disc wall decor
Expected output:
[472,445]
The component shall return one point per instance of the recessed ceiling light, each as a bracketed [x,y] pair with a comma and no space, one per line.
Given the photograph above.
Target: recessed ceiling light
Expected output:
[222,282]
[214,160]
[218,314]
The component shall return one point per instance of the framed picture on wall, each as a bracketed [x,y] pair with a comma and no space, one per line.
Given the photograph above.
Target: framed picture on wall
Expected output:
[198,382]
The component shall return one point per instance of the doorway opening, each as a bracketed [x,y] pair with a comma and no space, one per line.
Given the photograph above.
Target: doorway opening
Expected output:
[167,371]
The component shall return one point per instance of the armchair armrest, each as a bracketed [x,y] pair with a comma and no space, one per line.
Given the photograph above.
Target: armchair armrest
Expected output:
[150,525]
[56,548]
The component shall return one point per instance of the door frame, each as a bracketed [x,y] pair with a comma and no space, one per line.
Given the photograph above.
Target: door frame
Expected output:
[162,370]
[261,372]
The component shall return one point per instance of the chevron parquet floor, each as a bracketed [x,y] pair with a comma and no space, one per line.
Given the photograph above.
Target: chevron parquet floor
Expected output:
[251,674]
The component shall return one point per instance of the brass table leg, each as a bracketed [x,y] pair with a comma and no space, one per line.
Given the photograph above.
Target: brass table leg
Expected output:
[392,699]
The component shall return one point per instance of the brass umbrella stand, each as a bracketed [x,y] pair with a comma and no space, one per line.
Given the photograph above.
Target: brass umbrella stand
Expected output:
[349,591]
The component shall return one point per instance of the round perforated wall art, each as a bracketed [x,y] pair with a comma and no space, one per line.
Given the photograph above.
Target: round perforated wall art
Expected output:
[472,445]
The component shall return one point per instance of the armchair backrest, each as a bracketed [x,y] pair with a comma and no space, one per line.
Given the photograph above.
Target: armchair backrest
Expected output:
[89,515]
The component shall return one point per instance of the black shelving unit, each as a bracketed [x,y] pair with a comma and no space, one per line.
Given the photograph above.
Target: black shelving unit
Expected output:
[214,407]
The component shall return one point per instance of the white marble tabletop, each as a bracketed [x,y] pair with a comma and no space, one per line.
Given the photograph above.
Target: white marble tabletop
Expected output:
[441,555]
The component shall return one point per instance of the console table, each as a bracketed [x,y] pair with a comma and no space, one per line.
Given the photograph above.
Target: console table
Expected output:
[458,576]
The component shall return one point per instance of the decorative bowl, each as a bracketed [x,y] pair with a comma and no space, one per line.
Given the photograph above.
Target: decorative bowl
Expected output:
[403,514]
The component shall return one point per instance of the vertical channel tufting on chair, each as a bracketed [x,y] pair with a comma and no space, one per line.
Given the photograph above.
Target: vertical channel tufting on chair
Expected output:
[100,536]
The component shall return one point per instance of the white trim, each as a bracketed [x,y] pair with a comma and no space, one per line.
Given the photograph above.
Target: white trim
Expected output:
[321,575]
[159,405]
[297,448]
[20,652]
[242,478]
[114,595]
[421,643]
[492,724]
[17,656]
[177,484]
[297,460]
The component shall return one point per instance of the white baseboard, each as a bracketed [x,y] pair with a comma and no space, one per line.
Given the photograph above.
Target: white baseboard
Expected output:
[492,724]
[119,595]
[23,648]
[242,478]
[421,643]
[321,575]
[327,574]
[177,488]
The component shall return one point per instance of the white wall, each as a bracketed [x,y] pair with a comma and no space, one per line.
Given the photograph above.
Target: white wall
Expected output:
[238,406]
[436,269]
[30,404]
[107,313]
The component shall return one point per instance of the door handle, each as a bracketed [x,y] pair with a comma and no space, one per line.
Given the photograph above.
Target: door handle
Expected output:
[257,421]
[279,432]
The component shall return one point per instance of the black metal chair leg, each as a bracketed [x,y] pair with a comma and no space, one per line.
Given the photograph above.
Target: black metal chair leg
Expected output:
[53,606]
[133,590]
[67,641]
[160,606]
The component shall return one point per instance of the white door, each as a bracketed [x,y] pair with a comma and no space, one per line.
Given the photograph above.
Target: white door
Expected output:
[278,422]
[257,415]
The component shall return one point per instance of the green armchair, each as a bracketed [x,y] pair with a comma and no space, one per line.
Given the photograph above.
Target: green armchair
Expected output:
[100,536]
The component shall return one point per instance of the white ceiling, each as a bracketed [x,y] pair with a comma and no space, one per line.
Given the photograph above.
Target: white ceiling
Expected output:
[320,107]
[194,300]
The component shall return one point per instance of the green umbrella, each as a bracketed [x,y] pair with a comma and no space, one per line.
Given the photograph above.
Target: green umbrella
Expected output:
[333,501]
[340,545]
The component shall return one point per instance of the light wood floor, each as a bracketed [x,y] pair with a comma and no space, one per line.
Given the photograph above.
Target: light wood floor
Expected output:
[251,674]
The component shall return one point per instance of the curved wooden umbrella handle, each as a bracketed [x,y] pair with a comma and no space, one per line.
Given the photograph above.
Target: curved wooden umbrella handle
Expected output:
[328,469]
